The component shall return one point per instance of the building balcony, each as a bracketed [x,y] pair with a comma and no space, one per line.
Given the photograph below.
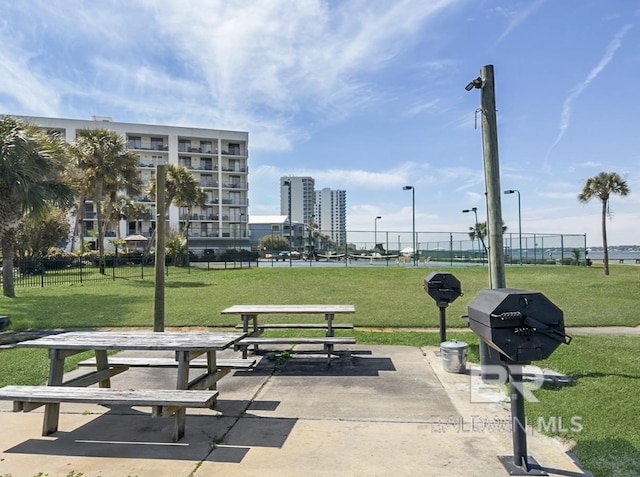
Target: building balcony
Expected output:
[208,183]
[234,185]
[235,201]
[153,147]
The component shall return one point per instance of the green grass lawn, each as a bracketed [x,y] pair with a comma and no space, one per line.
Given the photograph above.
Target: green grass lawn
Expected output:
[383,297]
[606,370]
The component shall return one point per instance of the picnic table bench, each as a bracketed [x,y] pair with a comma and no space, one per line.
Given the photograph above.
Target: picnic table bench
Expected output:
[27,398]
[253,328]
[199,392]
[224,366]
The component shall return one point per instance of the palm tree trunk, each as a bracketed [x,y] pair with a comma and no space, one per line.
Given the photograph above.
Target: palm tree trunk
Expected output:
[77,228]
[98,205]
[8,253]
[605,257]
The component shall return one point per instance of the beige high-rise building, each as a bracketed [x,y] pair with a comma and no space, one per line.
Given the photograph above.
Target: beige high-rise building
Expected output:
[218,159]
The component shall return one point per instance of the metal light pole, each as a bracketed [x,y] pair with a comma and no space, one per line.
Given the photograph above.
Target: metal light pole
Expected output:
[375,232]
[288,184]
[511,191]
[413,208]
[240,239]
[475,212]
[311,248]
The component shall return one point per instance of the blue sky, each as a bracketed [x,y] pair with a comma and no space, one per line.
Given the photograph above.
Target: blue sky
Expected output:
[363,95]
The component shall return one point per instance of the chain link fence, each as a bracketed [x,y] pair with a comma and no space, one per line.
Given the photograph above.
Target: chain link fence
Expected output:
[465,248]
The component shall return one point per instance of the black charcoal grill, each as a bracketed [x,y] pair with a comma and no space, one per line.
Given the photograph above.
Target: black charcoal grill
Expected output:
[444,288]
[523,326]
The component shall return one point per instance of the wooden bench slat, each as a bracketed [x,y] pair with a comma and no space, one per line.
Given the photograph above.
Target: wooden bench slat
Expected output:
[128,397]
[134,361]
[319,326]
[296,340]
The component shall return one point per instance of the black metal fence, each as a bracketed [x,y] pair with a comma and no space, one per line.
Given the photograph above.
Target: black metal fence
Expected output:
[43,272]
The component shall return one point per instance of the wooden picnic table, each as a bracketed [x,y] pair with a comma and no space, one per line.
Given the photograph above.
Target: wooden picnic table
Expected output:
[253,328]
[187,346]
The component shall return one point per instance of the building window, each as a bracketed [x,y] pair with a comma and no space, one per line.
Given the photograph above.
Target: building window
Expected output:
[135,142]
[206,148]
[157,143]
[184,145]
[234,149]
[185,161]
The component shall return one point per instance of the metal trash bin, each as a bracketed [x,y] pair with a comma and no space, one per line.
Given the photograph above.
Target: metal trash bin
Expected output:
[454,356]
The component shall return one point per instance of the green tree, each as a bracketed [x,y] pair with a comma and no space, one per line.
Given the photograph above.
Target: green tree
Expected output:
[480,232]
[108,167]
[119,208]
[182,190]
[35,235]
[176,248]
[602,186]
[274,243]
[138,212]
[32,165]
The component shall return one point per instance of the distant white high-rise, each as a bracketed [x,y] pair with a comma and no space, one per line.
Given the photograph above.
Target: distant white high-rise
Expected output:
[331,215]
[302,198]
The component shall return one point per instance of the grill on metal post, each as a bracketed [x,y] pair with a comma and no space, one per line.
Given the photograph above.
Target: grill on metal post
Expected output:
[523,326]
[444,288]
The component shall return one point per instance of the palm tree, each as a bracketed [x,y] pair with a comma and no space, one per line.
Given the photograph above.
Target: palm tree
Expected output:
[139,212]
[108,167]
[480,232]
[602,186]
[32,164]
[183,190]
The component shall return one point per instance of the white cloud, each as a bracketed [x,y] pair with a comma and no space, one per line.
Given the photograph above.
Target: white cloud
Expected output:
[419,108]
[565,117]
[516,18]
[29,92]
[283,59]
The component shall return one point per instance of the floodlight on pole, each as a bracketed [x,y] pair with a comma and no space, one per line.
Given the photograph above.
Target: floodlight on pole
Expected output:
[288,184]
[476,228]
[511,191]
[375,231]
[413,208]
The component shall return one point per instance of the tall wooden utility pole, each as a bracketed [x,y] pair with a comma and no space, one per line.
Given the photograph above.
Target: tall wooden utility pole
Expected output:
[158,312]
[519,464]
[485,82]
[492,177]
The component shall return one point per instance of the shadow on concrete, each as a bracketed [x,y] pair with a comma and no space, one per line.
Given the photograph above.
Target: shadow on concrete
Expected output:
[315,363]
[136,435]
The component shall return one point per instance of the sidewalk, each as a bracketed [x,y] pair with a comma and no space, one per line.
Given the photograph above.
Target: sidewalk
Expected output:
[377,411]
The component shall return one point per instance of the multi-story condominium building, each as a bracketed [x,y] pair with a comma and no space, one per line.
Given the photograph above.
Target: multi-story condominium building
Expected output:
[331,215]
[261,226]
[218,160]
[301,200]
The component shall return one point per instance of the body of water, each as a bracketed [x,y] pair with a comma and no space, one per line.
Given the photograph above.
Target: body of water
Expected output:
[630,255]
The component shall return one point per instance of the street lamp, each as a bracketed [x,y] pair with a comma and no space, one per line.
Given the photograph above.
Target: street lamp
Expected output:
[288,184]
[375,232]
[311,248]
[413,208]
[511,191]
[475,212]
[239,230]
